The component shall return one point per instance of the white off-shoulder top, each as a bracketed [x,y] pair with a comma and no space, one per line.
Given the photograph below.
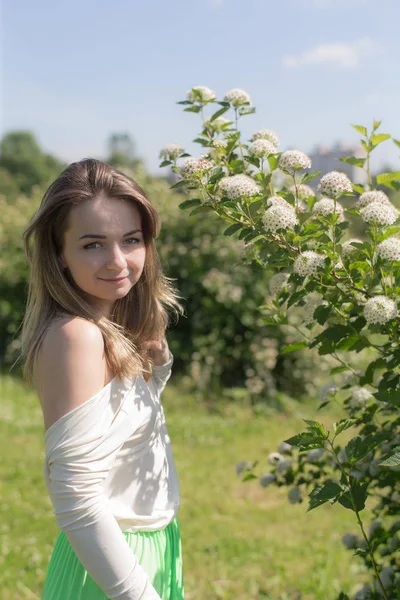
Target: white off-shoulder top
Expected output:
[109,468]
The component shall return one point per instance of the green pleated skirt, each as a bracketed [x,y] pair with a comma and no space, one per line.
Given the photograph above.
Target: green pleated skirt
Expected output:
[159,552]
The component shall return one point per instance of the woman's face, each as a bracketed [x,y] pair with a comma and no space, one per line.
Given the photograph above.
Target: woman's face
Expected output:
[102,243]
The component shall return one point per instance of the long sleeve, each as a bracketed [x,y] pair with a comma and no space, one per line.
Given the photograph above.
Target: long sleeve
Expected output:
[161,374]
[80,449]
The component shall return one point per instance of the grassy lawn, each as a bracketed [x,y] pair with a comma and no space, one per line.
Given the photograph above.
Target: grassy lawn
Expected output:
[240,541]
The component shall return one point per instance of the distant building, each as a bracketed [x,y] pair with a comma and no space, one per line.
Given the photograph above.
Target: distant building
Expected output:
[324,159]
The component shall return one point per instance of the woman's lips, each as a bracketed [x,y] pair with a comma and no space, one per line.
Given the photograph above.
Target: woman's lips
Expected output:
[118,280]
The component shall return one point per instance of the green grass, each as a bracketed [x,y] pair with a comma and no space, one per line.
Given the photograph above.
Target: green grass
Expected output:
[240,541]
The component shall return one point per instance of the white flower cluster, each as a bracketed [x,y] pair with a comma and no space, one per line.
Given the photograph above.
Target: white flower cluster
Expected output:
[261,148]
[266,134]
[267,479]
[274,457]
[347,247]
[294,495]
[373,196]
[292,160]
[389,249]
[238,186]
[315,455]
[335,184]
[194,168]
[312,301]
[217,124]
[379,214]
[352,378]
[237,97]
[308,262]
[283,466]
[326,206]
[359,397]
[219,144]
[279,217]
[278,201]
[380,309]
[285,448]
[171,151]
[206,94]
[328,390]
[277,282]
[350,540]
[304,191]
[241,466]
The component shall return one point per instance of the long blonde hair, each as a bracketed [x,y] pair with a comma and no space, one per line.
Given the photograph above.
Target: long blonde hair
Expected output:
[136,318]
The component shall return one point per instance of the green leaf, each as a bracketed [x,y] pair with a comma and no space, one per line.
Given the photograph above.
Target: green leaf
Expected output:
[310,175]
[379,138]
[194,108]
[249,476]
[337,370]
[202,141]
[393,460]
[369,373]
[293,347]
[323,493]
[397,142]
[165,163]
[360,129]
[388,178]
[358,188]
[322,313]
[244,110]
[391,396]
[219,112]
[342,425]
[245,231]
[179,184]
[273,162]
[191,202]
[215,175]
[200,209]
[352,160]
[184,102]
[296,297]
[358,447]
[306,441]
[359,492]
[255,206]
[317,427]
[253,161]
[233,228]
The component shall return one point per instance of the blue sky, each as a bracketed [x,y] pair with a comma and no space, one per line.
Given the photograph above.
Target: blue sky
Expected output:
[75,71]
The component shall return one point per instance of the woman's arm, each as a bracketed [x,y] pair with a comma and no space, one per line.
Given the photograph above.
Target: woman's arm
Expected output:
[79,455]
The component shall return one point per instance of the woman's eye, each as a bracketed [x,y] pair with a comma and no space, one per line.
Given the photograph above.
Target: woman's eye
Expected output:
[88,246]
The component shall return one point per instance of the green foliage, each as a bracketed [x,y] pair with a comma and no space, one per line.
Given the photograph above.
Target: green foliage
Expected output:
[22,158]
[345,286]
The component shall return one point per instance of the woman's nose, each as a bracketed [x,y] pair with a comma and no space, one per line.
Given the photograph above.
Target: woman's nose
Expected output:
[117,258]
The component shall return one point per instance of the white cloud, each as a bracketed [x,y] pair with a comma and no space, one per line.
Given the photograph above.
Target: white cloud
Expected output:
[340,54]
[216,3]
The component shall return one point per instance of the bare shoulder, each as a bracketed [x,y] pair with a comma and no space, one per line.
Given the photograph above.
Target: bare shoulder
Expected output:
[70,366]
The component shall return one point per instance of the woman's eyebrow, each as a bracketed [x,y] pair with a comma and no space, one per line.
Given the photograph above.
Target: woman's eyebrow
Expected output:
[103,237]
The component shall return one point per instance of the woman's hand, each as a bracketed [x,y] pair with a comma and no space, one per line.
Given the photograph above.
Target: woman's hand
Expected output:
[158,351]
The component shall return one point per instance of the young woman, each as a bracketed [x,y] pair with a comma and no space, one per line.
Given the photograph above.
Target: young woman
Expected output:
[94,348]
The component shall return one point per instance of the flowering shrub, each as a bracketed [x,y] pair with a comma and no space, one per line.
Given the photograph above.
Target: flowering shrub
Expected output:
[348,293]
